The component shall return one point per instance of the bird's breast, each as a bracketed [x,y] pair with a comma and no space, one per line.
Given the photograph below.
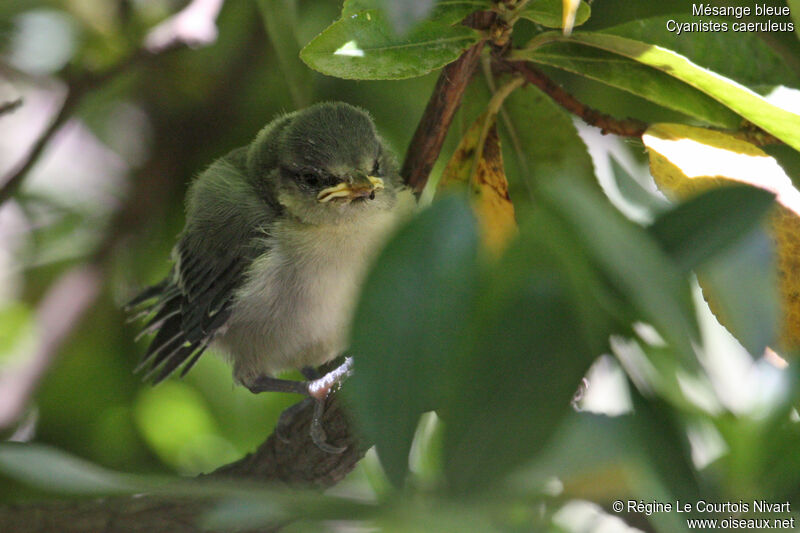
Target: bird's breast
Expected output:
[296,304]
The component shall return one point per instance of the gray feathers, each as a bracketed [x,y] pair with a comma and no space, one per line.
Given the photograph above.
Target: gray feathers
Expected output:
[220,240]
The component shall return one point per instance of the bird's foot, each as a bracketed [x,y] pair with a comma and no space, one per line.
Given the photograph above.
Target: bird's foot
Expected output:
[320,388]
[317,389]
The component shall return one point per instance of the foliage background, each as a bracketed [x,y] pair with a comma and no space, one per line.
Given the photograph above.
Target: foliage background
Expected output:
[109,190]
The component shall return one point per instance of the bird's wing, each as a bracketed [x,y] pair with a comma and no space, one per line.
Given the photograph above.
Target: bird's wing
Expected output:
[222,237]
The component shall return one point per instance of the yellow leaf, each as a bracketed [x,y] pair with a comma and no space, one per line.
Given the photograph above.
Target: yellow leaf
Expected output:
[478,162]
[686,160]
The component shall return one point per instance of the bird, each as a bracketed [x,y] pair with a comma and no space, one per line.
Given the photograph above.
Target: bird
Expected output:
[278,238]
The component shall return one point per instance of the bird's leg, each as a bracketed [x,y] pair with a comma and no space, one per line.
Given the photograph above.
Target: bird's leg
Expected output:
[317,389]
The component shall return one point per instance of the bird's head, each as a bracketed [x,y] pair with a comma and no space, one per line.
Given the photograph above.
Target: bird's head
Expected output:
[331,166]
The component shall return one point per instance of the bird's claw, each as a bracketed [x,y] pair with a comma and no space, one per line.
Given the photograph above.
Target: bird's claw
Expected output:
[318,435]
[285,420]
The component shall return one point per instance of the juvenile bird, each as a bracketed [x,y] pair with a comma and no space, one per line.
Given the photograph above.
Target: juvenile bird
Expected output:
[277,239]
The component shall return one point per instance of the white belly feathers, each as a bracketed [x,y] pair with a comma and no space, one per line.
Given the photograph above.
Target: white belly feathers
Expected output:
[296,305]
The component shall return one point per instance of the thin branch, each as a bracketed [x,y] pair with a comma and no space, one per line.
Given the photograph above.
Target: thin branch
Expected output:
[9,107]
[623,127]
[423,151]
[77,88]
[629,127]
[61,309]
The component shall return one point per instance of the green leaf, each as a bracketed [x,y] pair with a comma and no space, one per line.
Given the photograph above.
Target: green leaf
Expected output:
[743,285]
[638,79]
[54,470]
[280,22]
[779,122]
[741,56]
[408,327]
[710,222]
[538,158]
[794,8]
[634,192]
[531,344]
[788,159]
[363,46]
[631,260]
[548,13]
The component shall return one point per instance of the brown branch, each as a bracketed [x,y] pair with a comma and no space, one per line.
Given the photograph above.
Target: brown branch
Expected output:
[425,145]
[623,127]
[629,127]
[432,128]
[296,463]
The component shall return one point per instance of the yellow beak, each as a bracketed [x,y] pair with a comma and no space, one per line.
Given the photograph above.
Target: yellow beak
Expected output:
[351,191]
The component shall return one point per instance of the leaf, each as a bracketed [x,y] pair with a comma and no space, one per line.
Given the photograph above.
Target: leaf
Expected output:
[530,346]
[54,470]
[638,79]
[740,287]
[409,326]
[779,122]
[710,222]
[551,13]
[631,260]
[363,46]
[794,9]
[280,23]
[686,161]
[634,192]
[443,11]
[486,179]
[540,158]
[741,56]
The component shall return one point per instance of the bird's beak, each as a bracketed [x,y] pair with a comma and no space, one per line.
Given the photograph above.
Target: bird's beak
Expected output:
[363,187]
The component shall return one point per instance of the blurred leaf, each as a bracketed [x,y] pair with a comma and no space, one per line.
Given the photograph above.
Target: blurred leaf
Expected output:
[634,192]
[176,423]
[363,46]
[409,327]
[794,9]
[741,56]
[54,470]
[710,222]
[541,158]
[17,330]
[788,159]
[779,122]
[641,80]
[279,21]
[740,287]
[531,344]
[632,261]
[405,13]
[685,161]
[548,13]
[443,11]
[486,182]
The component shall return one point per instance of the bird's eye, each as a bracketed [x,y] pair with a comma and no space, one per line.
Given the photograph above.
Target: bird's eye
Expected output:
[376,168]
[311,179]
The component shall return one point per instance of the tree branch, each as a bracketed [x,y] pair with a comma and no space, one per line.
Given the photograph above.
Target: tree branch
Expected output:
[629,127]
[297,462]
[10,106]
[78,86]
[607,124]
[432,128]
[425,145]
